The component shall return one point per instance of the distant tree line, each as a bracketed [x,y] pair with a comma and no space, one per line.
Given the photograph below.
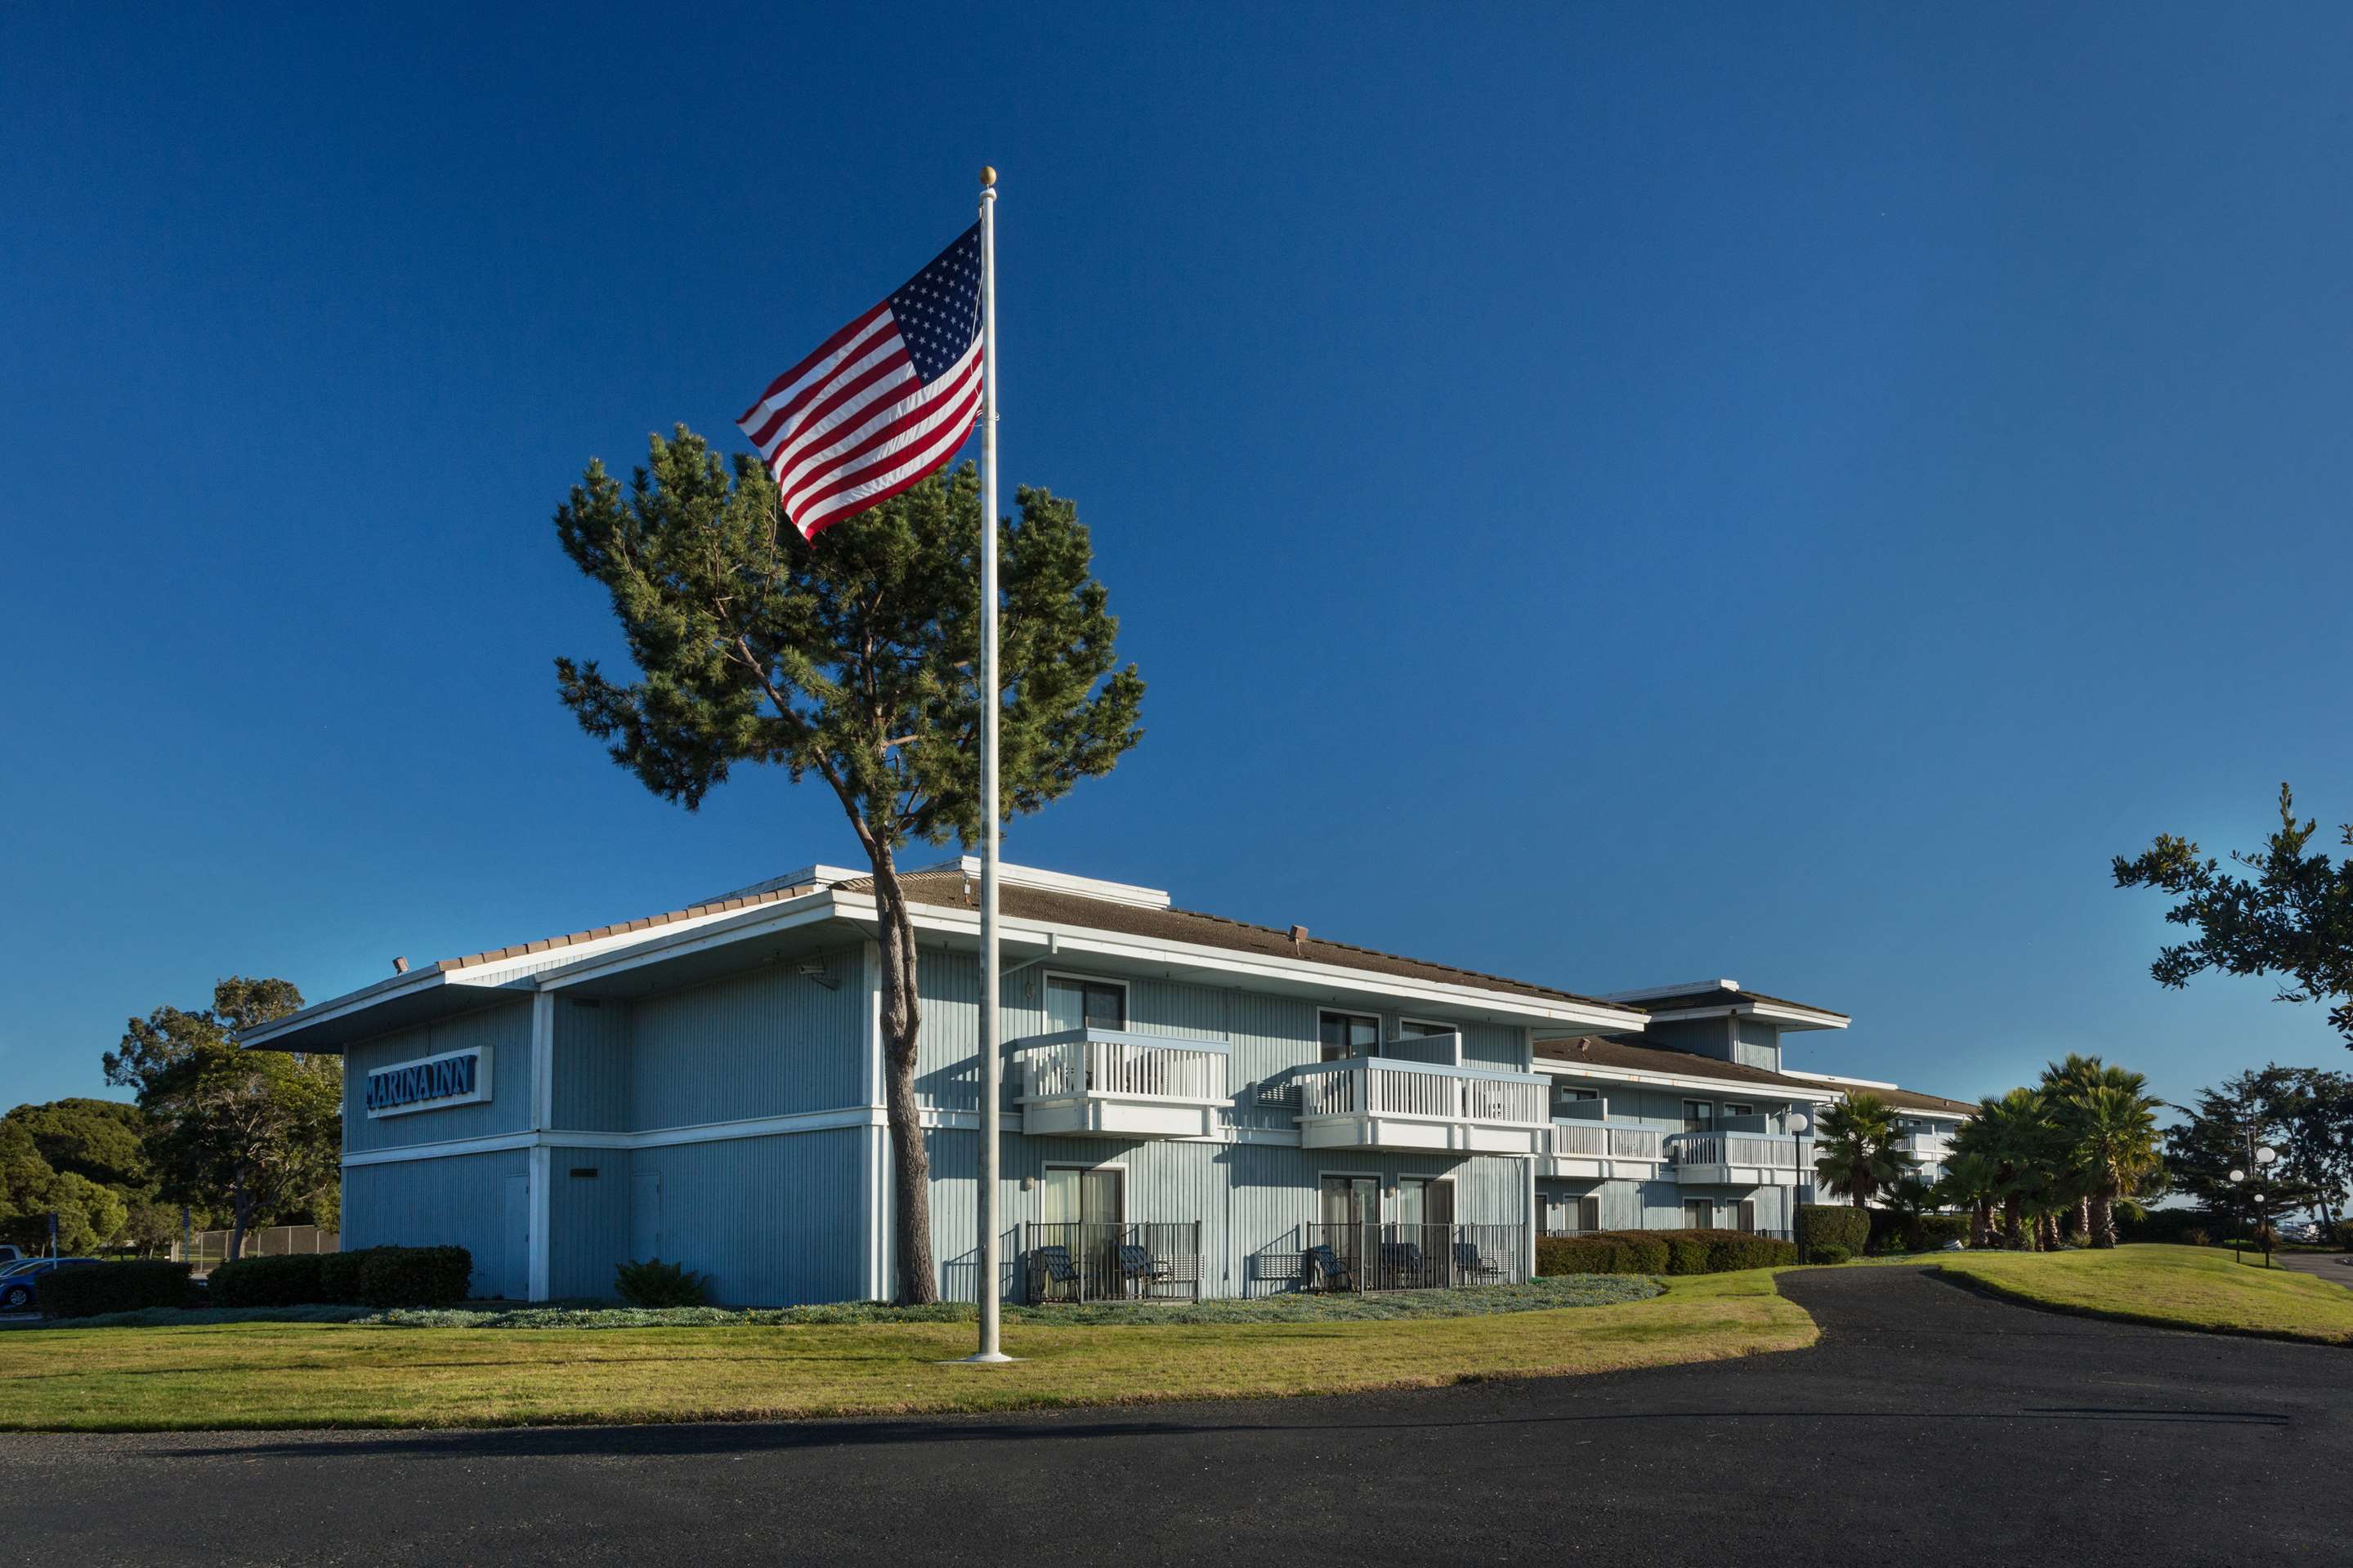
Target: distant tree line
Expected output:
[234,1139]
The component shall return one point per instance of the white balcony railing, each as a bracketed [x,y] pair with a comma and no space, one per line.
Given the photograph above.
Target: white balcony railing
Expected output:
[1728,1156]
[1110,1083]
[1371,1103]
[1597,1141]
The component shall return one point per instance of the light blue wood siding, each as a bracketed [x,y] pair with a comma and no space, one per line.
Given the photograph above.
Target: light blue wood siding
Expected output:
[769,1042]
[592,1065]
[1760,1046]
[1501,1046]
[1659,1205]
[455,1201]
[504,1026]
[1251,1200]
[588,1221]
[773,1221]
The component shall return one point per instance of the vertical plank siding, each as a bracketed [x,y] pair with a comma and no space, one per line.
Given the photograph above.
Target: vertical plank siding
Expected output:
[459,1201]
[592,1065]
[504,1026]
[769,1219]
[1251,1199]
[588,1221]
[767,1043]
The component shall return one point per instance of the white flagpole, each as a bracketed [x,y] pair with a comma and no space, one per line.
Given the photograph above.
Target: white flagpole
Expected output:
[992,1062]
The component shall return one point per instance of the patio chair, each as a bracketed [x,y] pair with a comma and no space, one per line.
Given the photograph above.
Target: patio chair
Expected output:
[1402,1263]
[1051,1267]
[1472,1264]
[1139,1269]
[1325,1265]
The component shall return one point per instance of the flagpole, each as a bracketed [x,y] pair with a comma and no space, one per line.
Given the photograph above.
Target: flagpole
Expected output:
[992,1058]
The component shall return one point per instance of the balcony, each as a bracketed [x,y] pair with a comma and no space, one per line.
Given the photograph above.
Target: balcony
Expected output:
[1361,1256]
[1377,1103]
[1733,1159]
[1595,1151]
[1105,1083]
[1074,1262]
[1924,1145]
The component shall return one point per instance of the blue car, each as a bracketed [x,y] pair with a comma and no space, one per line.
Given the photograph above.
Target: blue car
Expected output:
[21,1287]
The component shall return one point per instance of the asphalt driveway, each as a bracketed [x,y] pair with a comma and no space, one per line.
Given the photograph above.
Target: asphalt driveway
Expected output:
[1930,1421]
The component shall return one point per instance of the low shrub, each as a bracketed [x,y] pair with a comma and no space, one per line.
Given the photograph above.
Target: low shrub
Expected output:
[1829,1252]
[654,1283]
[415,1276]
[94,1287]
[1832,1224]
[288,1281]
[339,1275]
[1660,1252]
[2161,1225]
[1893,1232]
[2194,1236]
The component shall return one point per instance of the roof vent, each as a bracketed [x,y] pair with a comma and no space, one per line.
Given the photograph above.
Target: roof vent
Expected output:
[1298,936]
[400,966]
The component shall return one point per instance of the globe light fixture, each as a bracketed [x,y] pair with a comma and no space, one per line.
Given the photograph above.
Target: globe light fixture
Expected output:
[2238,1176]
[2265,1156]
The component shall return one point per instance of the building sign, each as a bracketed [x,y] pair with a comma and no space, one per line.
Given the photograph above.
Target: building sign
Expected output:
[430,1083]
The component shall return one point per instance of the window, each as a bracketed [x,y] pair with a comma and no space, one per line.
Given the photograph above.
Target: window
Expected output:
[1569,1216]
[1746,1220]
[1425,1200]
[1073,1003]
[1419,1028]
[1346,1035]
[1699,1213]
[1351,1200]
[1072,1195]
[1732,1108]
[1699,1116]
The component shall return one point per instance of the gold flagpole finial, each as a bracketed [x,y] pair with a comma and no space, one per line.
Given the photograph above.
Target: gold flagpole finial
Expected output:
[988,175]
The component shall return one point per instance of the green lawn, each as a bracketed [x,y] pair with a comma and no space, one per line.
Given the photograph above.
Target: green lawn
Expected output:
[2173,1286]
[341,1375]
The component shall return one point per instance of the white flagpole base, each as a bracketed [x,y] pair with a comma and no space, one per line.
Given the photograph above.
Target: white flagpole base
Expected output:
[994,1358]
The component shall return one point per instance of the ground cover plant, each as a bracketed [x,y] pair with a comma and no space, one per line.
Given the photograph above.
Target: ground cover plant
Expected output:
[272,1374]
[2174,1287]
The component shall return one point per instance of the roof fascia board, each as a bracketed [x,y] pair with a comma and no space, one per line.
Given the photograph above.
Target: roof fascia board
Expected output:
[1156,949]
[738,926]
[1804,1018]
[1559,1068]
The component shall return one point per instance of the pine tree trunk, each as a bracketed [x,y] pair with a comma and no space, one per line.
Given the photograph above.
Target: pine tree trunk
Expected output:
[910,1165]
[240,1215]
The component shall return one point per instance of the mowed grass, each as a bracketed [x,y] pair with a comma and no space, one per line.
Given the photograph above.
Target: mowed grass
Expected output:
[252,1376]
[2172,1287]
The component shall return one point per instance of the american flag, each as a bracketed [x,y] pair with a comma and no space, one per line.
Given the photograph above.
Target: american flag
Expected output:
[882,403]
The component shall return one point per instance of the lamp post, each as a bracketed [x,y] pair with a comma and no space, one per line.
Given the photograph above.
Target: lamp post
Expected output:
[2250,1181]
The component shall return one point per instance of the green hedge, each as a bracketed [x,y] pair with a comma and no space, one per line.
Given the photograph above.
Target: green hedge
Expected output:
[2167,1224]
[415,1276]
[88,1289]
[1831,1224]
[1660,1252]
[292,1281]
[373,1276]
[1929,1233]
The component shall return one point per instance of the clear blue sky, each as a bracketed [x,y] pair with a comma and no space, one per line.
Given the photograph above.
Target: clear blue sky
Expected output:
[1603,495]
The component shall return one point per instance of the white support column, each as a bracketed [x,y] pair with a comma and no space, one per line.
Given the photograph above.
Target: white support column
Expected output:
[542,1120]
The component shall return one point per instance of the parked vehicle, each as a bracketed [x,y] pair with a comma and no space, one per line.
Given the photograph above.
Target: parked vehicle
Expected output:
[20,1287]
[10,1254]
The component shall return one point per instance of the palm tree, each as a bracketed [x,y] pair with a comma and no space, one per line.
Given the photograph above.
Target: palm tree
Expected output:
[1854,1148]
[2110,1138]
[1909,1197]
[2063,1083]
[1972,1182]
[2014,1133]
